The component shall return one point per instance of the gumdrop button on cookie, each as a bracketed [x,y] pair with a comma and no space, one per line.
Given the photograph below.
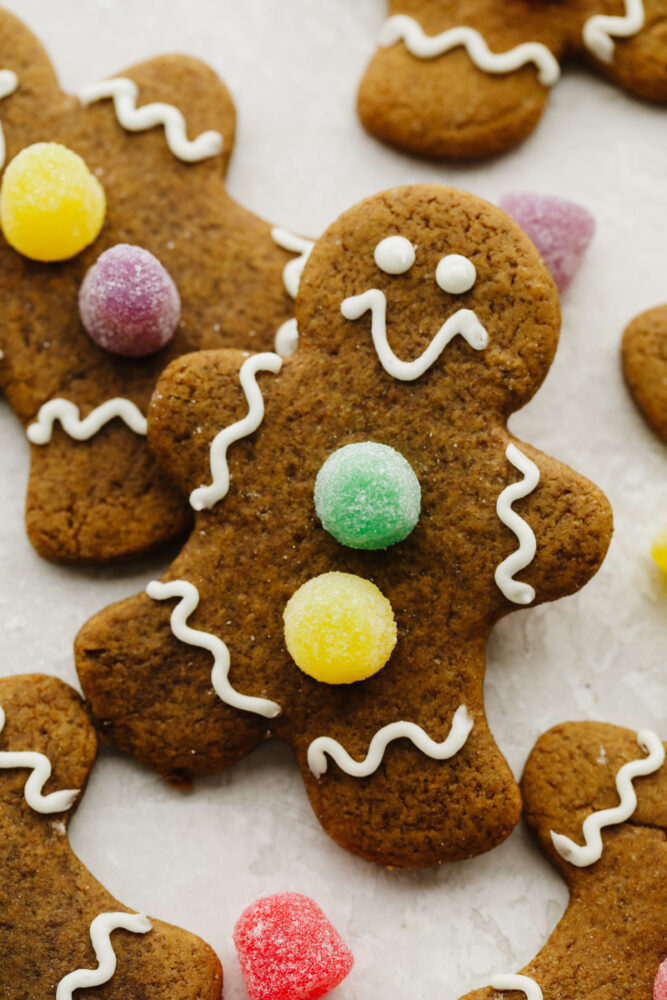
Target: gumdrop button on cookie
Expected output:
[51,205]
[424,347]
[289,950]
[128,302]
[660,984]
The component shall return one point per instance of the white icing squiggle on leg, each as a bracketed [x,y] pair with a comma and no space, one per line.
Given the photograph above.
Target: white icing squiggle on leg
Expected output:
[9,81]
[462,723]
[600,30]
[423,46]
[505,981]
[205,640]
[293,269]
[208,496]
[40,765]
[100,936]
[514,590]
[67,413]
[125,93]
[463,321]
[582,856]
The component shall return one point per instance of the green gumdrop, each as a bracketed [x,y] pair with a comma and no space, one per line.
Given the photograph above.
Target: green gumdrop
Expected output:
[367,496]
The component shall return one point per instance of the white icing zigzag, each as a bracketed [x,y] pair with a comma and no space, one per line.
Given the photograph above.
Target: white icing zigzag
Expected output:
[463,321]
[207,496]
[100,936]
[519,593]
[125,93]
[205,640]
[600,30]
[293,269]
[462,723]
[505,981]
[580,856]
[9,81]
[67,413]
[41,772]
[423,46]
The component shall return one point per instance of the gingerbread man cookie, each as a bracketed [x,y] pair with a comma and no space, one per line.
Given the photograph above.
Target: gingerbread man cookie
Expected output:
[143,156]
[644,355]
[61,931]
[596,797]
[364,519]
[458,78]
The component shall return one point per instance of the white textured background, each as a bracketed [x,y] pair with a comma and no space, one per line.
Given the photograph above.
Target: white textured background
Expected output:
[301,158]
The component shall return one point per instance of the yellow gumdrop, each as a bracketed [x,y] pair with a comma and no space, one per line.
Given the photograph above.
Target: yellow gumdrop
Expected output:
[659,551]
[51,205]
[339,628]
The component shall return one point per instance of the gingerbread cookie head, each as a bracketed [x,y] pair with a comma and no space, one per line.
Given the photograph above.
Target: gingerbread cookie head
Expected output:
[596,797]
[455,79]
[644,356]
[61,930]
[357,536]
[136,162]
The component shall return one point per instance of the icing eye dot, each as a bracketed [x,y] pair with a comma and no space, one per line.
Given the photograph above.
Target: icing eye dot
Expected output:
[51,205]
[367,496]
[659,551]
[394,255]
[455,274]
[128,302]
[339,628]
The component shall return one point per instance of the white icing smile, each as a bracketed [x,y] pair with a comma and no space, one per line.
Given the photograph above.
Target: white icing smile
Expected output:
[9,81]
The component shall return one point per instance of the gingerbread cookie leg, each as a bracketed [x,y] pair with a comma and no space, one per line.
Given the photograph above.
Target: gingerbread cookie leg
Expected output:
[644,358]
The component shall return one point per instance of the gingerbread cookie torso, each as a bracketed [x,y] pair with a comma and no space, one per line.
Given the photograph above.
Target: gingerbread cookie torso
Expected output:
[460,78]
[596,797]
[361,502]
[61,931]
[644,356]
[104,497]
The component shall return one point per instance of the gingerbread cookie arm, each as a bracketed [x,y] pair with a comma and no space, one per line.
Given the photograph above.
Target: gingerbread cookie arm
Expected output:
[644,357]
[22,54]
[634,53]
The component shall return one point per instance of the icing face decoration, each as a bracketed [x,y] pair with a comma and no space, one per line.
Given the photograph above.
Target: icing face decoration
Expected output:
[339,628]
[454,274]
[367,496]
[51,205]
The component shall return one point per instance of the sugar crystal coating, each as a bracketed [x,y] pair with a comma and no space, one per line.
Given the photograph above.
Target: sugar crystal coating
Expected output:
[367,496]
[51,205]
[560,229]
[128,302]
[339,628]
[288,949]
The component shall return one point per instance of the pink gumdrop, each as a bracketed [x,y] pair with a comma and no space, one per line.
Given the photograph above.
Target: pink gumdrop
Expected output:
[660,984]
[289,950]
[561,230]
[128,302]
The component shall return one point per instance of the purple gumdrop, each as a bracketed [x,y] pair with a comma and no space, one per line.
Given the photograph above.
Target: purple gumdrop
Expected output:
[128,302]
[560,229]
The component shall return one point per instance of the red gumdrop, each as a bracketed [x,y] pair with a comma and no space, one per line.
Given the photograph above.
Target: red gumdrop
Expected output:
[560,229]
[660,984]
[289,950]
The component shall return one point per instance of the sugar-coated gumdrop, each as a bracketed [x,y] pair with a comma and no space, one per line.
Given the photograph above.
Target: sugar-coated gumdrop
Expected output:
[289,950]
[659,551]
[51,205]
[560,229]
[660,984]
[128,302]
[367,496]
[339,628]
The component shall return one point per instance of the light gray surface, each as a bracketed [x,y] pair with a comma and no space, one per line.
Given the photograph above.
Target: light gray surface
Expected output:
[301,158]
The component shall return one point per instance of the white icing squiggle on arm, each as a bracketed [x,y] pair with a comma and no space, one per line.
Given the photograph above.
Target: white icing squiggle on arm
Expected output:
[293,269]
[580,856]
[207,496]
[205,640]
[423,46]
[40,765]
[600,30]
[100,936]
[317,762]
[514,590]
[9,81]
[41,431]
[463,321]
[505,981]
[125,92]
